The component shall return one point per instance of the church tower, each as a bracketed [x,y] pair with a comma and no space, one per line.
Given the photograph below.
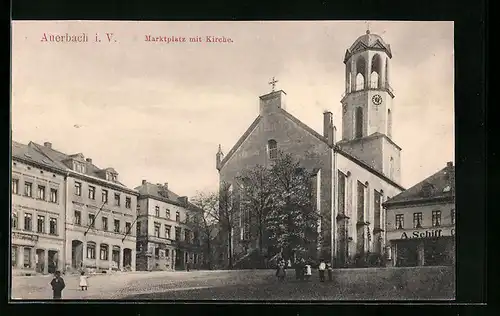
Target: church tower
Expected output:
[367,106]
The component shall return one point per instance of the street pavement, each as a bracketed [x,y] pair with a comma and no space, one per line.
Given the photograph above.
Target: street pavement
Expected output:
[225,285]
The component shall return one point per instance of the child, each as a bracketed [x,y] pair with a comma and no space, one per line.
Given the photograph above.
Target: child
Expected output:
[329,269]
[308,271]
[58,285]
[83,281]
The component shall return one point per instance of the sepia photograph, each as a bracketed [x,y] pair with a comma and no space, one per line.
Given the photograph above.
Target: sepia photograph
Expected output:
[242,160]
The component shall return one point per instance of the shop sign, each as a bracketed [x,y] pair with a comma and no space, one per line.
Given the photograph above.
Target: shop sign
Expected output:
[434,233]
[29,237]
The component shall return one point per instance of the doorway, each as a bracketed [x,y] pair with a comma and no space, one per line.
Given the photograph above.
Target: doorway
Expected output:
[76,254]
[127,258]
[40,261]
[179,260]
[116,257]
[53,261]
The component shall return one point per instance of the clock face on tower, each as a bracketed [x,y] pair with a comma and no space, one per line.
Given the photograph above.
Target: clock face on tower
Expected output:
[377,99]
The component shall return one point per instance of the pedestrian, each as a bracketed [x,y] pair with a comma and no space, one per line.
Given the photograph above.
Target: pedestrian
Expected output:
[330,271]
[321,270]
[302,271]
[280,271]
[187,266]
[83,281]
[308,271]
[297,269]
[58,285]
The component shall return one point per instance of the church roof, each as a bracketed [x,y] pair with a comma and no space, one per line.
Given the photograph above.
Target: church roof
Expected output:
[368,41]
[438,187]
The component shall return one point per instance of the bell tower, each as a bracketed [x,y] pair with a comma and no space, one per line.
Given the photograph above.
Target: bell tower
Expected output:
[367,105]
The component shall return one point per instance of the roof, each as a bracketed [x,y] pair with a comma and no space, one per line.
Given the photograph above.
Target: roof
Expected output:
[368,41]
[29,154]
[372,136]
[155,191]
[438,187]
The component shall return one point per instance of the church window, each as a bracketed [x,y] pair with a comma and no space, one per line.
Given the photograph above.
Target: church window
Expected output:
[360,73]
[391,167]
[273,149]
[377,197]
[375,79]
[348,77]
[361,203]
[389,123]
[387,71]
[341,193]
[358,121]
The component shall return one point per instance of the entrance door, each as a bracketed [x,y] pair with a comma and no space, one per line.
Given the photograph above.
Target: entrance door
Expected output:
[76,254]
[53,261]
[127,258]
[179,258]
[407,255]
[116,257]
[40,260]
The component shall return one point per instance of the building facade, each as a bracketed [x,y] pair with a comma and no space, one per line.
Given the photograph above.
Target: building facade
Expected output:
[38,212]
[165,238]
[353,175]
[421,222]
[100,214]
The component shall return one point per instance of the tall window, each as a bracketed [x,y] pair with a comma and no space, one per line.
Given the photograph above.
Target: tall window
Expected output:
[177,233]
[138,229]
[128,202]
[177,216]
[14,220]
[28,222]
[78,218]
[167,213]
[105,223]
[27,257]
[341,192]
[14,256]
[53,195]
[15,186]
[358,121]
[40,193]
[90,250]
[400,221]
[104,196]
[127,227]
[187,235]
[436,218]
[273,149]
[53,226]
[389,123]
[452,215]
[92,220]
[91,192]
[417,220]
[28,189]
[104,252]
[117,225]
[157,229]
[157,211]
[167,231]
[361,203]
[117,199]
[40,224]
[377,197]
[78,188]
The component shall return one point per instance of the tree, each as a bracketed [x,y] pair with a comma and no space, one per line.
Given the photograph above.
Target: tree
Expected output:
[227,216]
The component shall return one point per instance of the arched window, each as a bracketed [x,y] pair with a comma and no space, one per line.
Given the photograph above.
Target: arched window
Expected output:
[375,79]
[391,167]
[360,73]
[91,250]
[387,70]
[272,147]
[389,123]
[104,252]
[358,121]
[348,76]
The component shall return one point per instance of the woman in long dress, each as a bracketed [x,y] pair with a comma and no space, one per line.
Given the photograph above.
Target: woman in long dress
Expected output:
[280,272]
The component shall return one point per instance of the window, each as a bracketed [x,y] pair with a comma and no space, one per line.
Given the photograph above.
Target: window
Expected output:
[53,226]
[104,196]
[13,256]
[104,252]
[167,253]
[377,198]
[400,223]
[157,229]
[53,195]
[177,216]
[127,227]
[105,223]
[358,121]
[187,218]
[78,218]
[157,253]
[128,202]
[436,218]
[196,238]
[452,217]
[91,220]
[167,213]
[91,192]
[341,192]
[361,203]
[40,224]
[27,189]
[27,257]
[417,220]
[78,188]
[178,233]
[157,211]
[117,199]
[28,225]
[167,231]
[117,226]
[90,250]
[14,220]
[40,193]
[272,147]
[138,230]
[187,236]
[15,186]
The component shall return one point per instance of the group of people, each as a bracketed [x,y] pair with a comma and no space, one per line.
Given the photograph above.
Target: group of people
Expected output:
[58,284]
[303,270]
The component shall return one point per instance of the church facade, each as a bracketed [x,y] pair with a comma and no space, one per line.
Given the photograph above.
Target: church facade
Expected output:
[354,175]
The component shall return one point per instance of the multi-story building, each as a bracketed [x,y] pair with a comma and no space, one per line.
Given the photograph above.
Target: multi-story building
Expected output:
[100,214]
[421,222]
[38,210]
[165,238]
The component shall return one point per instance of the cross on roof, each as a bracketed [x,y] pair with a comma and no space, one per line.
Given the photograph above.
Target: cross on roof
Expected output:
[273,83]
[367,27]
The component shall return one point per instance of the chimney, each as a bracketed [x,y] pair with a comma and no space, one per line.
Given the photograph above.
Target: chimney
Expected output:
[165,186]
[218,158]
[449,164]
[48,145]
[89,160]
[328,128]
[144,182]
[272,102]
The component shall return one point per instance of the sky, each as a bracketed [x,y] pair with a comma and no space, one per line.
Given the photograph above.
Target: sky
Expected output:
[158,111]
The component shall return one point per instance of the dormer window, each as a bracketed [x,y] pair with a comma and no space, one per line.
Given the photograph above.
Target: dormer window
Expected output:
[272,147]
[78,167]
[111,176]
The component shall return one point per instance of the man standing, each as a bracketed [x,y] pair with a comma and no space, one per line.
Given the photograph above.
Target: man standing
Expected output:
[321,269]
[330,271]
[58,285]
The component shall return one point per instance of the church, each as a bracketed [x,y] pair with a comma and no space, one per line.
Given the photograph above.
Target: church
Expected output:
[355,172]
